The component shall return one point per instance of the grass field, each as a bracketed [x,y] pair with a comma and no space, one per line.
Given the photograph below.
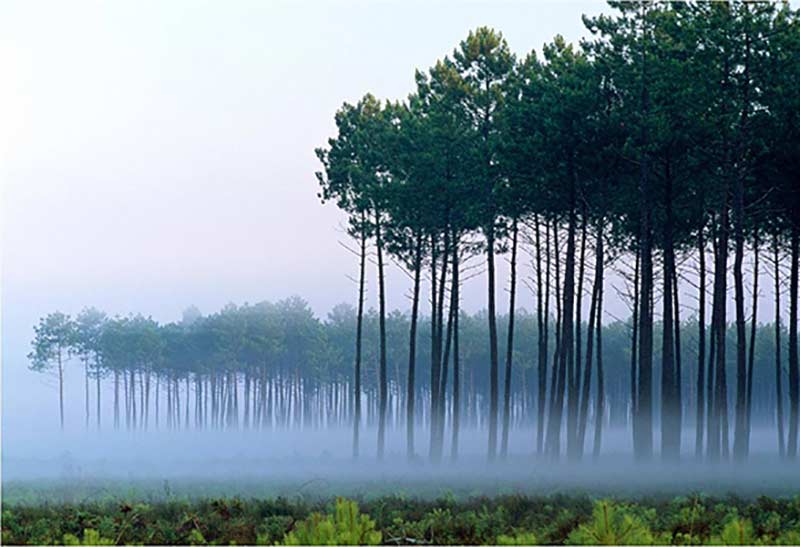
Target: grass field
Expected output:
[399,519]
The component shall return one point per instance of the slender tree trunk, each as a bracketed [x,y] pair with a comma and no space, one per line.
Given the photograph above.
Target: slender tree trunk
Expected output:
[553,442]
[116,399]
[670,426]
[778,372]
[435,361]
[456,359]
[493,360]
[541,334]
[147,400]
[186,416]
[97,380]
[701,347]
[60,390]
[752,347]
[142,401]
[634,343]
[441,351]
[574,373]
[566,355]
[643,422]
[359,327]
[740,432]
[601,393]
[382,331]
[567,336]
[158,382]
[133,398]
[678,364]
[86,390]
[510,341]
[412,351]
[593,318]
[794,379]
[246,417]
[719,443]
[441,408]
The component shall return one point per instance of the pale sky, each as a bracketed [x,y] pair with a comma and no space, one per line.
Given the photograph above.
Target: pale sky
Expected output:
[155,155]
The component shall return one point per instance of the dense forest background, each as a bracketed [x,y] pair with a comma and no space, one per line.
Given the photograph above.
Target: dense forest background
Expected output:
[293,369]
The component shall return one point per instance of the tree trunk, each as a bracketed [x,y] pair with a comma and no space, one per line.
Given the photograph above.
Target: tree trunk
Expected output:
[116,399]
[643,421]
[778,372]
[412,350]
[574,373]
[510,341]
[60,390]
[456,360]
[601,395]
[752,347]
[86,390]
[435,361]
[441,407]
[493,361]
[382,328]
[97,380]
[701,348]
[718,445]
[359,326]
[593,319]
[553,443]
[541,332]
[740,432]
[133,399]
[634,343]
[678,366]
[794,380]
[670,424]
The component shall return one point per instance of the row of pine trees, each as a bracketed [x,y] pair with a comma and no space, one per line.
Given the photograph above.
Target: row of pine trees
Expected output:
[670,139]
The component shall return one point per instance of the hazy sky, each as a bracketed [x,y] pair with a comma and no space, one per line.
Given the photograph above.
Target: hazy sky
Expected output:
[155,155]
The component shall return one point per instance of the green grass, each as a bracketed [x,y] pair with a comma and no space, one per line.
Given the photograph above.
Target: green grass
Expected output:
[399,519]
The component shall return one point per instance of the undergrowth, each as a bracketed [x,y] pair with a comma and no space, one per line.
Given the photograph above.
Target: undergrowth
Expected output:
[399,520]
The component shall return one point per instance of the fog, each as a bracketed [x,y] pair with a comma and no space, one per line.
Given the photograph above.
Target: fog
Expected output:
[77,466]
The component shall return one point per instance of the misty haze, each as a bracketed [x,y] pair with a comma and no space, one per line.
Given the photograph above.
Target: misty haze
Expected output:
[447,273]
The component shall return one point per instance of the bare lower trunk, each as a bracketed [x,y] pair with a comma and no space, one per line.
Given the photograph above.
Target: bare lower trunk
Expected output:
[601,395]
[778,373]
[541,332]
[794,379]
[382,328]
[412,352]
[493,365]
[60,390]
[359,325]
[456,359]
[509,342]
[701,348]
[752,347]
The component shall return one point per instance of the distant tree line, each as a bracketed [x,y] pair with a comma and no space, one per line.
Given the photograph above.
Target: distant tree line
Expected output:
[668,141]
[267,366]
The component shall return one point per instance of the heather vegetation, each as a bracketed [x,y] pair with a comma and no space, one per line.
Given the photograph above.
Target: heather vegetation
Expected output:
[502,520]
